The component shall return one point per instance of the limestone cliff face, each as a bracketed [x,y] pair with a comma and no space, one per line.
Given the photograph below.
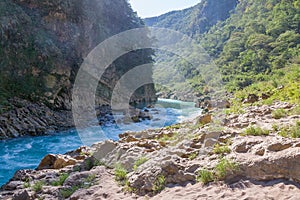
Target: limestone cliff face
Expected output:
[44,42]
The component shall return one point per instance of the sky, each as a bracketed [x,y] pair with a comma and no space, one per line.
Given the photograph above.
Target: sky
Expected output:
[151,8]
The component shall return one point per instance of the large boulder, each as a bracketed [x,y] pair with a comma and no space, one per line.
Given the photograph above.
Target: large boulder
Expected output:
[169,167]
[52,161]
[268,158]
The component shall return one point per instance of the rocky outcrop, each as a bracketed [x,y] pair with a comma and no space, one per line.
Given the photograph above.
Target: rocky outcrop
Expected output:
[32,119]
[171,157]
[56,162]
[268,158]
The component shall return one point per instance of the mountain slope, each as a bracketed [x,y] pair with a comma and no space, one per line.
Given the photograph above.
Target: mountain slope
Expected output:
[197,19]
[259,41]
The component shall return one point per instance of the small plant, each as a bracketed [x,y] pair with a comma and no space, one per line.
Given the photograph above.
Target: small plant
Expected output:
[139,162]
[223,167]
[27,184]
[275,127]
[99,163]
[256,131]
[295,130]
[76,168]
[89,154]
[279,113]
[60,180]
[235,108]
[120,174]
[38,186]
[159,184]
[127,187]
[66,193]
[284,132]
[167,138]
[205,176]
[90,178]
[290,131]
[175,126]
[295,111]
[218,149]
[89,163]
[89,181]
[194,155]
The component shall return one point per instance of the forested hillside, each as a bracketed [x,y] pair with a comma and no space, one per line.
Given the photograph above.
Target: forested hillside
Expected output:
[258,42]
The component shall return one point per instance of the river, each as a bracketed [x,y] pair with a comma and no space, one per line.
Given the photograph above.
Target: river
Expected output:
[27,152]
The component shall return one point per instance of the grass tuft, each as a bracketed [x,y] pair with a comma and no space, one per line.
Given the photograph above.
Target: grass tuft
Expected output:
[256,131]
[38,186]
[139,162]
[224,167]
[205,176]
[279,113]
[218,149]
[120,174]
[159,184]
[60,180]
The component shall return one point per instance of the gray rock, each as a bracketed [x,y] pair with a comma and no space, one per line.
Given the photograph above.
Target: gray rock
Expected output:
[22,195]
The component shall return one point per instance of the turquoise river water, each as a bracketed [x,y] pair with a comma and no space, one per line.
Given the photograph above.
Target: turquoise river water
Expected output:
[26,152]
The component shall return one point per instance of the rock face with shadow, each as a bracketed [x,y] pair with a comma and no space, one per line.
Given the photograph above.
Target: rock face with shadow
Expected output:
[43,44]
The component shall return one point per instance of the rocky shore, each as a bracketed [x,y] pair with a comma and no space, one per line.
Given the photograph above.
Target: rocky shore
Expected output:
[26,118]
[253,155]
[33,119]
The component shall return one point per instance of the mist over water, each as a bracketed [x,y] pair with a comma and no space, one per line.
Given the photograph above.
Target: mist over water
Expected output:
[27,152]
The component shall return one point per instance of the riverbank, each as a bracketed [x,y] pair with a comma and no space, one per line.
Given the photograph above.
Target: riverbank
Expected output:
[256,150]
[26,152]
[32,119]
[25,118]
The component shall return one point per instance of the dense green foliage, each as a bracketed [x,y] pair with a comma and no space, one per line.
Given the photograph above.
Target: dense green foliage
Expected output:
[260,37]
[256,45]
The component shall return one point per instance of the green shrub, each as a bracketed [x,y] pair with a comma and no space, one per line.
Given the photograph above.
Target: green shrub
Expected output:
[218,149]
[279,113]
[194,155]
[167,138]
[27,184]
[284,132]
[66,193]
[127,187]
[175,126]
[159,184]
[120,174]
[38,186]
[295,111]
[139,162]
[89,180]
[275,127]
[290,131]
[295,130]
[224,167]
[205,176]
[256,131]
[60,180]
[76,168]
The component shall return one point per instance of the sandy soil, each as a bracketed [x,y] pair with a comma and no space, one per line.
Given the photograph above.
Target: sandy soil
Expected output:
[242,190]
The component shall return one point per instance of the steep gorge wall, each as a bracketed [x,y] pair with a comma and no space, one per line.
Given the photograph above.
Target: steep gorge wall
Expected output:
[43,44]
